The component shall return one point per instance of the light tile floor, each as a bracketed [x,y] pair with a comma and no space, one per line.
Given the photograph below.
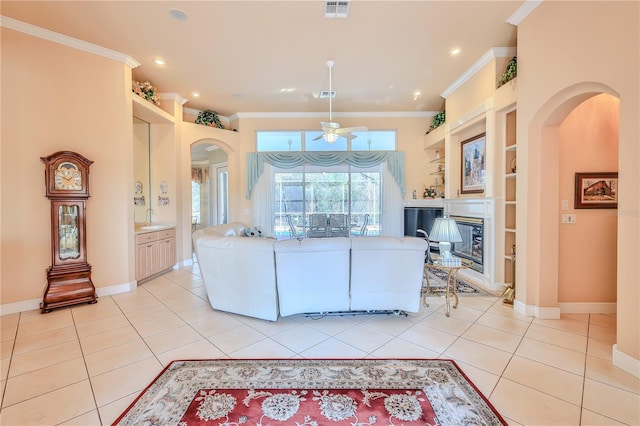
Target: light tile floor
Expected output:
[85,364]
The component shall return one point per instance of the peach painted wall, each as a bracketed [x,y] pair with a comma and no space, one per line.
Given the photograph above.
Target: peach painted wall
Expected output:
[56,98]
[566,49]
[588,142]
[475,91]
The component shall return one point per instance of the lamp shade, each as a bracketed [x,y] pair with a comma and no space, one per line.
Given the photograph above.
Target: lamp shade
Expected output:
[445,229]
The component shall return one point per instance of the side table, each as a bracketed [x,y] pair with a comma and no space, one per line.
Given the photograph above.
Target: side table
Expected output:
[450,287]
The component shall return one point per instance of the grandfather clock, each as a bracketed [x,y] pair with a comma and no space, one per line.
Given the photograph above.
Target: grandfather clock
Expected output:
[69,276]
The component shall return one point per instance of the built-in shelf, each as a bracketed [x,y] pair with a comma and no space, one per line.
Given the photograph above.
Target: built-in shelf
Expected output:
[435,138]
[438,173]
[438,160]
[149,112]
[510,155]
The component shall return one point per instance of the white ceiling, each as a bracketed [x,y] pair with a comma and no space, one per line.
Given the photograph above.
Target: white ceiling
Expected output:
[239,55]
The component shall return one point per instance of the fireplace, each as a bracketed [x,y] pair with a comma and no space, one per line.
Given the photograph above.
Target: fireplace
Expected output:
[472,245]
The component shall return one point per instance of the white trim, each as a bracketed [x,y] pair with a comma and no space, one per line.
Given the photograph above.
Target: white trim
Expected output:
[523,11]
[115,289]
[173,97]
[184,262]
[372,114]
[74,43]
[522,309]
[33,304]
[25,305]
[588,308]
[468,117]
[491,54]
[625,362]
[546,313]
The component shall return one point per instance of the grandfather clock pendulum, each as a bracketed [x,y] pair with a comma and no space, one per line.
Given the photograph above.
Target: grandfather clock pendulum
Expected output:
[69,276]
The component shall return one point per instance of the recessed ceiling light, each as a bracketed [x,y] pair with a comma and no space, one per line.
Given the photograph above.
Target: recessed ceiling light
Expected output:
[287,89]
[159,61]
[416,95]
[177,14]
[455,51]
[196,94]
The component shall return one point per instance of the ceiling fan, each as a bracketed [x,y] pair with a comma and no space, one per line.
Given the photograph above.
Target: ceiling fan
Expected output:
[331,131]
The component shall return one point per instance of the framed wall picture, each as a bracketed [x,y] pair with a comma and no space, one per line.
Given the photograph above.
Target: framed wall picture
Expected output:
[473,165]
[596,190]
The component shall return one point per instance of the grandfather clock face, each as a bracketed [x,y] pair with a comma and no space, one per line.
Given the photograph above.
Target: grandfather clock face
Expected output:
[67,176]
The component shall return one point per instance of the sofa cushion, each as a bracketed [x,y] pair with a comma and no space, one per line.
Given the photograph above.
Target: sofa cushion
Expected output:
[238,272]
[386,273]
[313,275]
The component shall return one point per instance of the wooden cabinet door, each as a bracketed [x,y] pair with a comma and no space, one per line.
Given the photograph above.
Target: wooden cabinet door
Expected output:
[167,253]
[146,260]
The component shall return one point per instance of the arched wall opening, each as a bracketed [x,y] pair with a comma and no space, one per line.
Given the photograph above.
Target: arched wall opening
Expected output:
[209,182]
[555,272]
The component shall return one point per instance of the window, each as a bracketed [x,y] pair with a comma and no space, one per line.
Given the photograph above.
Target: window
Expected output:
[310,194]
[303,140]
[195,202]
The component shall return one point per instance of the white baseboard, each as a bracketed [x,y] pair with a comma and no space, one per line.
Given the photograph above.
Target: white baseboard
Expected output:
[23,306]
[546,313]
[185,262]
[536,311]
[33,304]
[116,289]
[588,308]
[626,362]
[564,308]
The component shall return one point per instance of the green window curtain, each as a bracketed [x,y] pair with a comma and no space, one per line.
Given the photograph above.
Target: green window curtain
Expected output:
[288,160]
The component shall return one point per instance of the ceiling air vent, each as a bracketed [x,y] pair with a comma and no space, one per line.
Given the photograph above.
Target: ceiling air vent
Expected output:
[336,9]
[327,94]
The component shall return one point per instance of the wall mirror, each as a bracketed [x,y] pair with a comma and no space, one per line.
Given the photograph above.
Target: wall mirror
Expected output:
[141,170]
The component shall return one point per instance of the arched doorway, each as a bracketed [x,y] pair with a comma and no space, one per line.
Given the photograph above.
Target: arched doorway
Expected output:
[554,191]
[209,184]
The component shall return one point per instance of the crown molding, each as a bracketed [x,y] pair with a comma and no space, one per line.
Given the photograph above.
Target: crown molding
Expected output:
[74,43]
[523,11]
[173,97]
[491,54]
[372,114]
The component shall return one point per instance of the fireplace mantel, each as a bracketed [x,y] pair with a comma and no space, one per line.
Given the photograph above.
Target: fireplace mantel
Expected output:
[483,208]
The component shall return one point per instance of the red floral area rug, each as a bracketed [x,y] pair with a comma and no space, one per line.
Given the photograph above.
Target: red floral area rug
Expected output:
[306,392]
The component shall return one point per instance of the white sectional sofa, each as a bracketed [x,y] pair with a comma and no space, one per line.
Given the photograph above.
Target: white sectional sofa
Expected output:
[265,278]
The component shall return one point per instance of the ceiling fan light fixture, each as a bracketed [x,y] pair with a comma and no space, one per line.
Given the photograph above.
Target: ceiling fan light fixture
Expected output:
[330,137]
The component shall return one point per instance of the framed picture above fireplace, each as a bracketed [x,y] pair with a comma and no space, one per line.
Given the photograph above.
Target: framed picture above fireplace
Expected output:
[473,164]
[596,190]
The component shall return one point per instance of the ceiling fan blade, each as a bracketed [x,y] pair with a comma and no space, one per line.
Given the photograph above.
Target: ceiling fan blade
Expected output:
[352,129]
[317,137]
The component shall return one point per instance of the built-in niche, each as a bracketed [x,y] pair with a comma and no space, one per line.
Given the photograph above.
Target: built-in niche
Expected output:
[141,170]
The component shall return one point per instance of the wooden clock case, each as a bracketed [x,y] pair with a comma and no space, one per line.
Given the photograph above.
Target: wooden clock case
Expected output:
[69,276]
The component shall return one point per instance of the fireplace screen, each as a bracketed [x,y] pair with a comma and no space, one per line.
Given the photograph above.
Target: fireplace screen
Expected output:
[472,246]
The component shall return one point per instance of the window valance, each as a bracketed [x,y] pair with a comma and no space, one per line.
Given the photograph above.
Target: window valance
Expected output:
[289,160]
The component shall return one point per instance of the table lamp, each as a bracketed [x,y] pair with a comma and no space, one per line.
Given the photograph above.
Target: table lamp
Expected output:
[445,231]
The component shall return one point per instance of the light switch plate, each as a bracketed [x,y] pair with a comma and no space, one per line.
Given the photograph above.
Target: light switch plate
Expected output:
[568,218]
[565,205]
